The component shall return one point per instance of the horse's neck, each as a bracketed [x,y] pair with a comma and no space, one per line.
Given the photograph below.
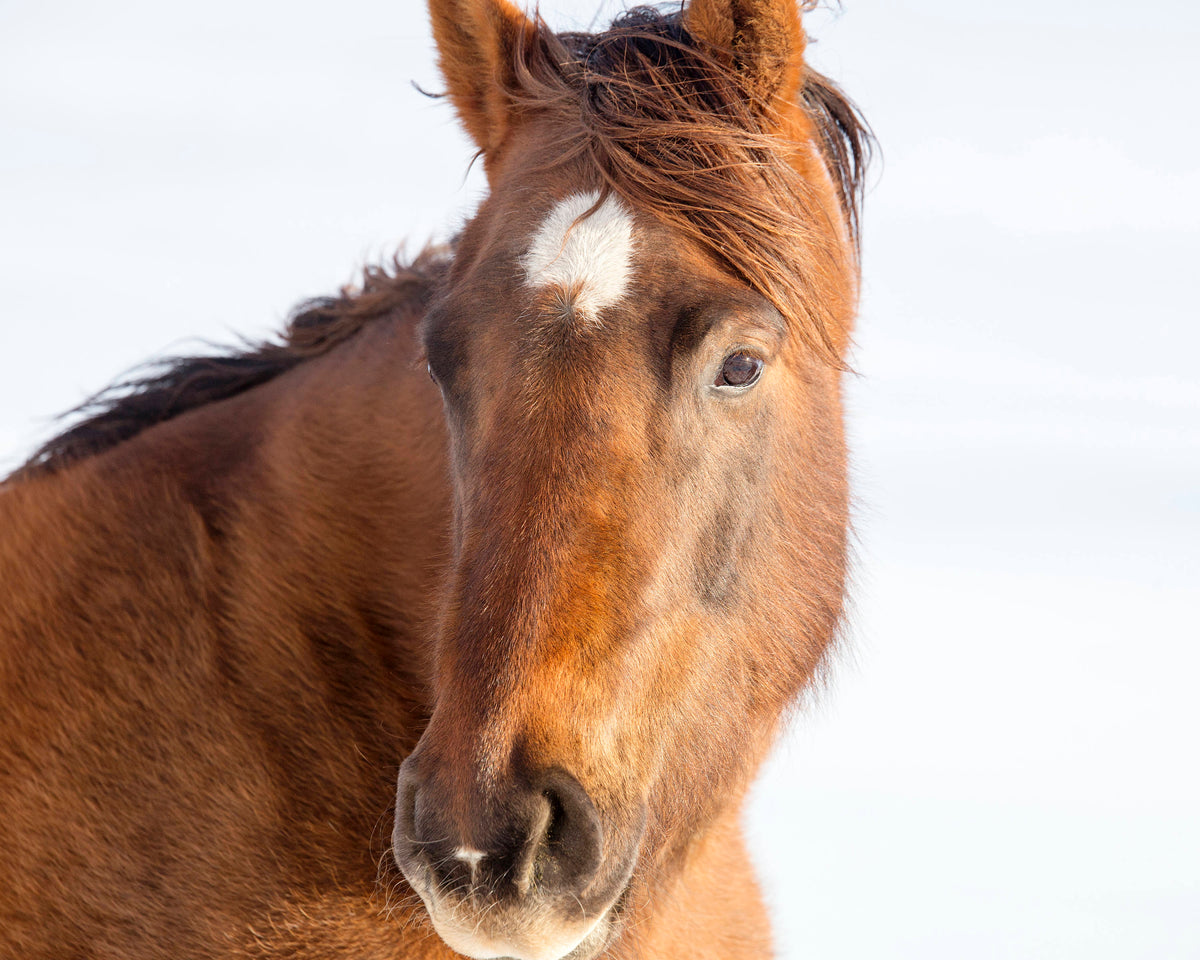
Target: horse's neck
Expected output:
[309,512]
[339,511]
[214,630]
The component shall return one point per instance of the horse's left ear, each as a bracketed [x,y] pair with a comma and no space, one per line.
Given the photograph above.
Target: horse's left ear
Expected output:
[764,38]
[477,42]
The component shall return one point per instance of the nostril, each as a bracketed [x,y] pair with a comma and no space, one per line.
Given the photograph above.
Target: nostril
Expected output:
[567,835]
[558,821]
[408,842]
[427,852]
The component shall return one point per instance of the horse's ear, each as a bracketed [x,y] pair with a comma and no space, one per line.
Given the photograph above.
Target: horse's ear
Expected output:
[477,43]
[764,38]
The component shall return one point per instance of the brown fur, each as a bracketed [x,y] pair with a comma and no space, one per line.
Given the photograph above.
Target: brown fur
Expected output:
[242,591]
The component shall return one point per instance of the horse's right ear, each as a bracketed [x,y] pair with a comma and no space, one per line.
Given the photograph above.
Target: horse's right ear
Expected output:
[477,43]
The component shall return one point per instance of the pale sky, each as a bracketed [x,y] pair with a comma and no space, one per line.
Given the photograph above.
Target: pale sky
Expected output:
[1003,764]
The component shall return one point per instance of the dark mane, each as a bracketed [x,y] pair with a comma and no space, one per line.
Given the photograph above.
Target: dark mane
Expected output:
[672,127]
[167,388]
[847,144]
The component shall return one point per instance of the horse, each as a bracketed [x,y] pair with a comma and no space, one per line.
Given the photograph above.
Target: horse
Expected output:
[458,618]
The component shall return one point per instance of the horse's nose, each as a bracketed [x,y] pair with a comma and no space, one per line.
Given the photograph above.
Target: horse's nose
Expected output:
[538,835]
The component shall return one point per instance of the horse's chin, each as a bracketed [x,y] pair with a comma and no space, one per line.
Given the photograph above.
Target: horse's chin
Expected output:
[478,939]
[548,946]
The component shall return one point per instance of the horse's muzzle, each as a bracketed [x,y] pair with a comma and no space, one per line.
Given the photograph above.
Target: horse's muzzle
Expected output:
[525,873]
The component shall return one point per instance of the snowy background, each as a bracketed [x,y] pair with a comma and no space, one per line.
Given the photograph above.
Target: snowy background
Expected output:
[1005,764]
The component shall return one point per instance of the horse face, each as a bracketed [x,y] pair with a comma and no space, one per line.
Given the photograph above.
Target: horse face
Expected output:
[647,466]
[647,558]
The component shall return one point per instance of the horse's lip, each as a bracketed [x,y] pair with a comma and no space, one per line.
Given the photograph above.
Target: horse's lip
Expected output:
[600,936]
[611,921]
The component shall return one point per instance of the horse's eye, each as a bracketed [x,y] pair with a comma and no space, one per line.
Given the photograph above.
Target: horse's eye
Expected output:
[739,370]
[429,370]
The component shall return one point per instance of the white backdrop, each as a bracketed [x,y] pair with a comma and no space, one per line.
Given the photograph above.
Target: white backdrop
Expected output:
[1005,763]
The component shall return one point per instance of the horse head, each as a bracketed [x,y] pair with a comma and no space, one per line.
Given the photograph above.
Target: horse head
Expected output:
[639,348]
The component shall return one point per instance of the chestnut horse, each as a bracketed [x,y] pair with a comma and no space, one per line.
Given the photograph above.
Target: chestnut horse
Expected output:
[305,652]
